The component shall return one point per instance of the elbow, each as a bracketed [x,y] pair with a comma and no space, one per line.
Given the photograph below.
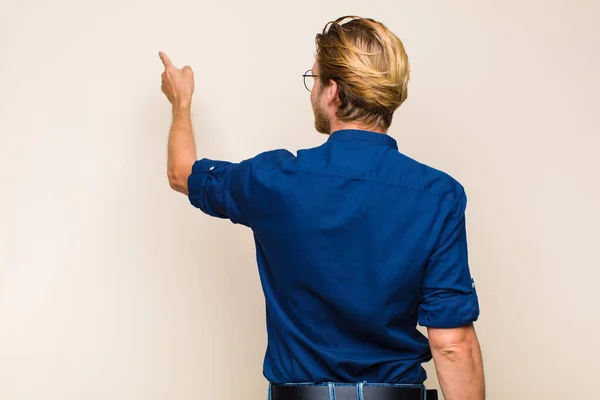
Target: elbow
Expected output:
[454,351]
[178,177]
[178,185]
[453,344]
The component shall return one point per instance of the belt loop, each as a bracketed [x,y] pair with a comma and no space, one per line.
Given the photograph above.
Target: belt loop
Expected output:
[331,391]
[359,394]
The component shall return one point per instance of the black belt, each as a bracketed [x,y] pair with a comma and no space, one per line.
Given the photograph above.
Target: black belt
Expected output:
[350,392]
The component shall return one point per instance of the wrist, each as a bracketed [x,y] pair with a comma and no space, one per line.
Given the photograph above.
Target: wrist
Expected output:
[182,108]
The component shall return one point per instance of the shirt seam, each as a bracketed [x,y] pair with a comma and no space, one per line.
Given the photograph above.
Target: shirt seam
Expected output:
[250,209]
[388,145]
[367,178]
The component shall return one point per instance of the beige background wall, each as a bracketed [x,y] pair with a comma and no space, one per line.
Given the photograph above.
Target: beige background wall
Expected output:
[114,287]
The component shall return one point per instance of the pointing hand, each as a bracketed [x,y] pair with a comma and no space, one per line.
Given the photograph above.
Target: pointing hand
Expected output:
[177,84]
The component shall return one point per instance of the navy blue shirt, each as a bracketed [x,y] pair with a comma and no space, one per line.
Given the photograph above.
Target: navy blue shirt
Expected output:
[356,243]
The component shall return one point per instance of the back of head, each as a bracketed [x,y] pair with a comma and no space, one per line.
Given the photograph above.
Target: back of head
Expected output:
[369,65]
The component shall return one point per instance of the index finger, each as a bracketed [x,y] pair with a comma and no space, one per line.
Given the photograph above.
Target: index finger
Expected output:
[165,59]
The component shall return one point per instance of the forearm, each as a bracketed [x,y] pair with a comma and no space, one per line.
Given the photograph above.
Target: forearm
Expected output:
[181,149]
[460,371]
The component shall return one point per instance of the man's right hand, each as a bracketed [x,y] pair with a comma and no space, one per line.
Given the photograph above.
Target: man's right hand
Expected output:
[177,84]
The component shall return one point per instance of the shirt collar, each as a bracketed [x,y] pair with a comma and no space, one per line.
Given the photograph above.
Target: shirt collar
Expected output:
[350,135]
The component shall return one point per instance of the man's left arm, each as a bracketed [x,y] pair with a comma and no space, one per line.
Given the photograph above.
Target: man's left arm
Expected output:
[457,357]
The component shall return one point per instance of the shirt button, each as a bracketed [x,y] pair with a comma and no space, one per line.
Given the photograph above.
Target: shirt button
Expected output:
[211,168]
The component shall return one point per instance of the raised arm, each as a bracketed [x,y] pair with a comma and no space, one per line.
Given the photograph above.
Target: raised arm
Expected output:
[178,86]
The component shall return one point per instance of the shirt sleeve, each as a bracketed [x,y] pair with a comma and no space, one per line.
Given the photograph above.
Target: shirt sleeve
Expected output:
[221,189]
[449,299]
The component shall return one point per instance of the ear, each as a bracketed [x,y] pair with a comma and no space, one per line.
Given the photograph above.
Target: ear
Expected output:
[333,95]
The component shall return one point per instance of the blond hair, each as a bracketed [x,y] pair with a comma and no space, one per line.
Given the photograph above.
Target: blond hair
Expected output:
[369,65]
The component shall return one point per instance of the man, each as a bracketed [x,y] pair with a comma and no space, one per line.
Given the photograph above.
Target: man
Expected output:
[356,243]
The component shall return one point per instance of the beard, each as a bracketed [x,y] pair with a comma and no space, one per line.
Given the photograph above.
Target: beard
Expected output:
[322,123]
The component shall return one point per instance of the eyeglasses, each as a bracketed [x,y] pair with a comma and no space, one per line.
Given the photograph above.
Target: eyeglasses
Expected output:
[310,82]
